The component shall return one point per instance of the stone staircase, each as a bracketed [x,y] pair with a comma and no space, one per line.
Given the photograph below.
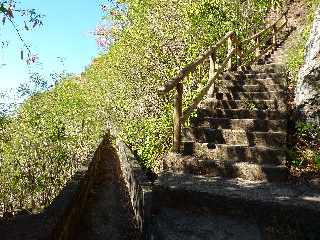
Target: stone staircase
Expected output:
[231,174]
[240,128]
[231,180]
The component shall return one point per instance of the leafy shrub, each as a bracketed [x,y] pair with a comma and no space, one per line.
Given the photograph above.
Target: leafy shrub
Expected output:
[50,137]
[308,132]
[306,151]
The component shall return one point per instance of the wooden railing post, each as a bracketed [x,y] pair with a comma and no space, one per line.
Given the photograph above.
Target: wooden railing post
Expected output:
[237,47]
[230,48]
[258,46]
[239,59]
[212,60]
[177,118]
[274,35]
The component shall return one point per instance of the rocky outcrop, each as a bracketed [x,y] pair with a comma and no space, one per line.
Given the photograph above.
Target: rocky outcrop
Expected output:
[308,87]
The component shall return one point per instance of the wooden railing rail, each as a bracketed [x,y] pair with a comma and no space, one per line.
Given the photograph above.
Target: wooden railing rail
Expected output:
[259,39]
[235,49]
[168,86]
[274,24]
[186,114]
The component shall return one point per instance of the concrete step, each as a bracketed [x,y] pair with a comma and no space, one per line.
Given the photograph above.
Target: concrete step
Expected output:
[212,103]
[243,170]
[236,137]
[264,68]
[270,68]
[225,168]
[224,88]
[241,124]
[173,224]
[242,114]
[281,210]
[251,81]
[253,75]
[249,95]
[240,153]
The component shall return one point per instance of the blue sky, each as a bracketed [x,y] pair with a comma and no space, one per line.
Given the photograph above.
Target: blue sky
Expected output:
[66,33]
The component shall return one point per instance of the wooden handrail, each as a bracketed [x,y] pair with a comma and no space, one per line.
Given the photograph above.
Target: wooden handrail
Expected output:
[239,46]
[258,40]
[204,90]
[253,37]
[264,51]
[234,47]
[282,26]
[168,86]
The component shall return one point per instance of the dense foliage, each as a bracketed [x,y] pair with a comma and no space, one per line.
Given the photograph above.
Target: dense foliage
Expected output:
[53,132]
[42,145]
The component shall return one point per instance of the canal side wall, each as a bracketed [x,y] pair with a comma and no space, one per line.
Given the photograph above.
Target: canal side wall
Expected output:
[139,187]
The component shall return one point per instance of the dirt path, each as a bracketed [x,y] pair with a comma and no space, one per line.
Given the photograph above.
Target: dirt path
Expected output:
[108,214]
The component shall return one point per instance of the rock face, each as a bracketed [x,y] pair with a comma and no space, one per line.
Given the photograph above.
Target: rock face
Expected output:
[308,87]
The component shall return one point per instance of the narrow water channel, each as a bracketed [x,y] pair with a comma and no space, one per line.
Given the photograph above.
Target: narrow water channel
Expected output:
[108,214]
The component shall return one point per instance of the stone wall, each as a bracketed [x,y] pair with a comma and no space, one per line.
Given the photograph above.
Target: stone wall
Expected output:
[139,187]
[307,97]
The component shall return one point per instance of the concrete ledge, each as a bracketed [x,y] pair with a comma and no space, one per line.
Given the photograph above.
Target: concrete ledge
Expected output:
[290,211]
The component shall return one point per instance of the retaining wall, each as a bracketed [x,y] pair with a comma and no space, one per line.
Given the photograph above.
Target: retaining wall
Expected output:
[139,187]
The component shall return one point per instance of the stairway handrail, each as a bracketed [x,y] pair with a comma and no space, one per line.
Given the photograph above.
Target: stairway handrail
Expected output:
[284,14]
[234,48]
[169,85]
